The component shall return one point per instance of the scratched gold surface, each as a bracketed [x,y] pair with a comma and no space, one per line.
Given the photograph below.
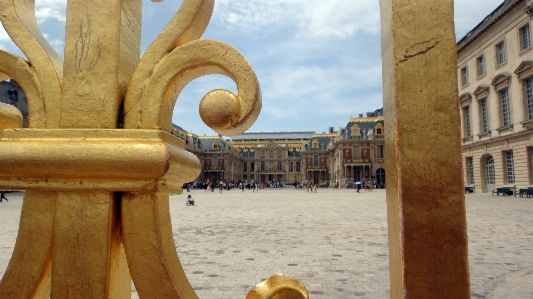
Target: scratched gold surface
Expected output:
[426,218]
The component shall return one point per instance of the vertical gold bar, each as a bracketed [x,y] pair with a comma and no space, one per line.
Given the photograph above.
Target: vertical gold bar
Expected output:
[102,47]
[88,257]
[425,199]
[151,252]
[28,273]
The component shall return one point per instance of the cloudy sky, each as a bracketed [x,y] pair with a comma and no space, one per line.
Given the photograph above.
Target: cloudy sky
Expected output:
[318,61]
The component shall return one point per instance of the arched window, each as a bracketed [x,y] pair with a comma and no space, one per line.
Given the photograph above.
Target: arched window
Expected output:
[215,145]
[315,143]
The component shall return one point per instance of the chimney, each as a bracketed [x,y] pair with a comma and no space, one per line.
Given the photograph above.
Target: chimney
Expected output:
[331,130]
[360,115]
[369,114]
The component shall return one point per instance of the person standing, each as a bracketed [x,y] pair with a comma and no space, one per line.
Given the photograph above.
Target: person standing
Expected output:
[3,196]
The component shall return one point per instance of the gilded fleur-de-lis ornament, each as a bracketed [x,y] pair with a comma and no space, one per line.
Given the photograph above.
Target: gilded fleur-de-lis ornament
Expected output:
[97,161]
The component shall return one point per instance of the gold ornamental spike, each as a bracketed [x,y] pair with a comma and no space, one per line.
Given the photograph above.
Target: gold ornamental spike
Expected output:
[95,212]
[18,19]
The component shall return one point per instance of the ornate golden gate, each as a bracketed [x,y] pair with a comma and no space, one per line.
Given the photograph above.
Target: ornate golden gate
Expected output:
[97,161]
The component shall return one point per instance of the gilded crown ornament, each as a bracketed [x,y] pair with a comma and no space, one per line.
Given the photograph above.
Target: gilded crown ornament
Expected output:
[98,161]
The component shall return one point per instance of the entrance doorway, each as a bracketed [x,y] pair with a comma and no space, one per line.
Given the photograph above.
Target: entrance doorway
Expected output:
[490,175]
[380,176]
[357,173]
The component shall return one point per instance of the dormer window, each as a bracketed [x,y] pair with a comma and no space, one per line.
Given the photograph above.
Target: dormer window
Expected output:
[379,129]
[315,143]
[215,146]
[356,131]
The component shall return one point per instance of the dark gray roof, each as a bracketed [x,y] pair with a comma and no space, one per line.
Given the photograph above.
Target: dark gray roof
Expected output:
[323,142]
[207,143]
[364,126]
[179,127]
[274,135]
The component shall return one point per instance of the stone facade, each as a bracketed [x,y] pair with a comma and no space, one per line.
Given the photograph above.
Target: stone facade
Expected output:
[353,153]
[495,70]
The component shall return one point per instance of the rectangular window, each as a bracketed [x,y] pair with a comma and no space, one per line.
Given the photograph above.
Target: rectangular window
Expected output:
[480,66]
[500,54]
[252,166]
[510,167]
[315,160]
[290,166]
[506,110]
[245,166]
[381,151]
[531,163]
[356,152]
[279,154]
[529,97]
[484,116]
[466,115]
[262,154]
[525,37]
[271,154]
[464,76]
[471,170]
[297,166]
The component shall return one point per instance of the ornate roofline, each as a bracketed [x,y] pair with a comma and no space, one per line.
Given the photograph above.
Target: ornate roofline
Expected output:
[325,135]
[491,19]
[367,119]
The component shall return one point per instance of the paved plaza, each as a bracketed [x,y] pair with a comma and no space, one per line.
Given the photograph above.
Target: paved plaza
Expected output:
[335,241]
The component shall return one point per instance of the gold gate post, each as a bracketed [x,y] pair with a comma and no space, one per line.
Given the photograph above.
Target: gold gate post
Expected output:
[425,198]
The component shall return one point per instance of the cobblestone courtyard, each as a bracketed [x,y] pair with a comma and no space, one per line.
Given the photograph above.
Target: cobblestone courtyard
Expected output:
[335,241]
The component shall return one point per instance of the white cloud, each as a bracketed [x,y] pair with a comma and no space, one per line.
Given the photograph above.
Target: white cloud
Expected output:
[311,18]
[50,9]
[469,13]
[339,18]
[251,15]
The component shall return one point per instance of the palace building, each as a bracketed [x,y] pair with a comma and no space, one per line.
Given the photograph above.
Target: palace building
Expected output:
[353,153]
[495,68]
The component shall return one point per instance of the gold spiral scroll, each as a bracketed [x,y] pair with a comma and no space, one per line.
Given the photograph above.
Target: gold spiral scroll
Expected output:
[187,25]
[13,66]
[186,63]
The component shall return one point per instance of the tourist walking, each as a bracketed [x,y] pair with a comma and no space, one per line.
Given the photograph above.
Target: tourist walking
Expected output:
[3,196]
